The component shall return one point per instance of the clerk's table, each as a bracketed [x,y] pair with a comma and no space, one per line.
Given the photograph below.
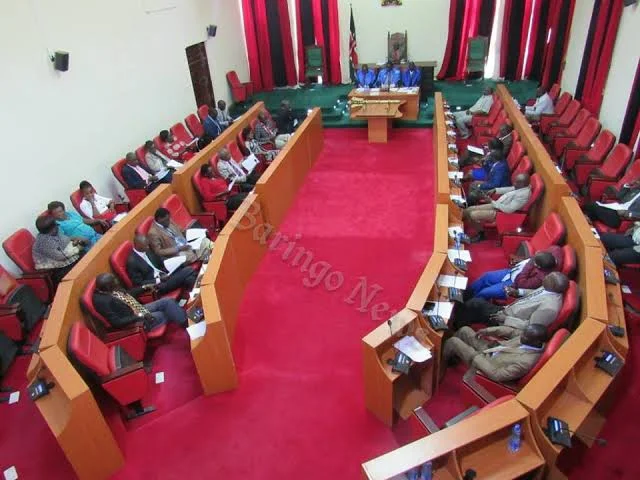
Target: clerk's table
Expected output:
[410,109]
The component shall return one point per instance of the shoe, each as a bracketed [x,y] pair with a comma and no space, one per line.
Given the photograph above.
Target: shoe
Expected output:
[478,238]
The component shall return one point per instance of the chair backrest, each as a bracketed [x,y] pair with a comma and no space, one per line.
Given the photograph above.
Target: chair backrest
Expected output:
[570,304]
[195,180]
[140,154]
[551,232]
[179,213]
[578,122]
[601,146]
[232,78]
[145,225]
[8,284]
[633,173]
[617,161]
[118,261]
[86,300]
[241,145]
[18,248]
[515,155]
[496,108]
[181,133]
[563,102]
[569,113]
[213,161]
[569,261]
[116,169]
[76,199]
[554,91]
[253,123]
[234,150]
[193,124]
[524,166]
[88,350]
[537,190]
[588,132]
[550,348]
[203,112]
[516,136]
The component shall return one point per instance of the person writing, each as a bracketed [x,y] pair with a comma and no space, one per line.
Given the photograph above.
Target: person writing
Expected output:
[95,206]
[166,240]
[230,170]
[156,161]
[214,189]
[53,251]
[482,106]
[365,78]
[136,177]
[73,225]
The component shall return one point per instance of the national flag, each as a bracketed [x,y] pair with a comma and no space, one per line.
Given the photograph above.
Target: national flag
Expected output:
[353,49]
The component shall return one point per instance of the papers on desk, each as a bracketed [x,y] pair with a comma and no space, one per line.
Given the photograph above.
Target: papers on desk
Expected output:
[119,217]
[453,146]
[173,263]
[458,199]
[595,233]
[197,330]
[461,254]
[10,473]
[455,231]
[162,173]
[362,89]
[452,281]
[14,397]
[451,133]
[476,150]
[413,349]
[443,309]
[374,90]
[450,123]
[455,175]
[193,294]
[195,236]
[250,163]
[174,164]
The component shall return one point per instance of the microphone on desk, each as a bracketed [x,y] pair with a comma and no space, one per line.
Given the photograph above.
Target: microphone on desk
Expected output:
[390,327]
[558,432]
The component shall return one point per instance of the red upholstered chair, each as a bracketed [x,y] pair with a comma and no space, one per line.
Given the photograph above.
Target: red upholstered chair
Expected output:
[488,390]
[586,135]
[570,305]
[10,322]
[489,119]
[597,179]
[235,152]
[524,166]
[180,132]
[140,155]
[239,91]
[510,222]
[18,248]
[554,92]
[561,105]
[183,218]
[571,131]
[593,154]
[135,195]
[145,225]
[551,232]
[484,134]
[203,112]
[194,125]
[516,136]
[569,261]
[242,145]
[253,123]
[213,161]
[112,367]
[219,208]
[515,155]
[559,124]
[133,337]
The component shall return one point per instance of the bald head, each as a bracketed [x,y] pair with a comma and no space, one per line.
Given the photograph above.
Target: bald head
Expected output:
[534,335]
[556,282]
[131,158]
[106,282]
[141,243]
[224,154]
[522,180]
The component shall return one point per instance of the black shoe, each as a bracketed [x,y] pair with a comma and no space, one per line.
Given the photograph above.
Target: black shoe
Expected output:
[478,238]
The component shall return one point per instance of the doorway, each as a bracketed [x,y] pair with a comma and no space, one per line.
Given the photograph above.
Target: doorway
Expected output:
[200,74]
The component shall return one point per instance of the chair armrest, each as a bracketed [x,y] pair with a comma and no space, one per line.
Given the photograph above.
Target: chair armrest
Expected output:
[122,372]
[207,219]
[9,308]
[114,336]
[512,240]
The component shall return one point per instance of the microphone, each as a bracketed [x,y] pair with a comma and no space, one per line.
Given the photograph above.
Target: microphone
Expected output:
[617,330]
[599,440]
[559,433]
[390,327]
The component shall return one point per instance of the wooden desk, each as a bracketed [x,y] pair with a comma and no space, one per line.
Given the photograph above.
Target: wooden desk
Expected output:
[569,387]
[389,394]
[479,442]
[427,70]
[379,119]
[410,110]
[440,151]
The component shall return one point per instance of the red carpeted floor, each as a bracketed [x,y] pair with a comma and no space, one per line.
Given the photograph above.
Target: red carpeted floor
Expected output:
[364,212]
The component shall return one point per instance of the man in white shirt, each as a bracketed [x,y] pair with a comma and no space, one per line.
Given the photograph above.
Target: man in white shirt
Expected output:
[156,160]
[224,119]
[483,105]
[230,170]
[543,105]
[96,206]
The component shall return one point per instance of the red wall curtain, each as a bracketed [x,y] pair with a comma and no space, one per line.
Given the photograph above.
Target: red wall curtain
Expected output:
[464,20]
[448,53]
[601,52]
[334,43]
[287,43]
[469,30]
[264,47]
[560,26]
[301,63]
[319,32]
[533,8]
[505,42]
[252,44]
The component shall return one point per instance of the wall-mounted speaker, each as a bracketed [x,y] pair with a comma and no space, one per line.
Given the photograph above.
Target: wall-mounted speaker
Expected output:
[628,3]
[61,61]
[211,30]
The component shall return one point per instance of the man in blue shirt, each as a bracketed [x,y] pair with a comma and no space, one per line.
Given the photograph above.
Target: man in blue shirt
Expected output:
[497,177]
[365,78]
[73,225]
[411,76]
[211,126]
[389,76]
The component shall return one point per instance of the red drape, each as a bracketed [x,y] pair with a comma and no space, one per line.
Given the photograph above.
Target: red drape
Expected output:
[635,135]
[453,12]
[469,30]
[287,43]
[264,47]
[252,44]
[601,52]
[334,43]
[301,64]
[533,37]
[318,31]
[504,52]
[553,25]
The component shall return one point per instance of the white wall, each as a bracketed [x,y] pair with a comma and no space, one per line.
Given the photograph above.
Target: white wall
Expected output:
[426,23]
[128,79]
[623,63]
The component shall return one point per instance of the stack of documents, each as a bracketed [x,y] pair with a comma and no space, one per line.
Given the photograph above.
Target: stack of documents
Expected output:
[250,163]
[464,255]
[442,309]
[413,349]
[455,175]
[455,230]
[195,236]
[476,150]
[452,281]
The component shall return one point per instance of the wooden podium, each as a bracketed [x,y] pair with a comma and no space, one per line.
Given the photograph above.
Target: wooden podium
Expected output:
[379,117]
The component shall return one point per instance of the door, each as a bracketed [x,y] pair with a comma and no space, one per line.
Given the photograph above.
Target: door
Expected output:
[200,74]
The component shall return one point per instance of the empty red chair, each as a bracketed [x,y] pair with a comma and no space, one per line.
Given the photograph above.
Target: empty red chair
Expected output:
[183,218]
[235,152]
[219,207]
[18,248]
[557,125]
[593,154]
[203,112]
[510,222]
[551,232]
[554,92]
[572,130]
[132,337]
[597,179]
[569,261]
[111,367]
[489,119]
[586,135]
[11,321]
[515,155]
[484,134]
[524,166]
[181,133]
[239,91]
[561,105]
[194,125]
[135,195]
[488,390]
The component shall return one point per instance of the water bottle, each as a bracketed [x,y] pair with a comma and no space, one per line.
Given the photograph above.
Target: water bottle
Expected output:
[516,438]
[427,471]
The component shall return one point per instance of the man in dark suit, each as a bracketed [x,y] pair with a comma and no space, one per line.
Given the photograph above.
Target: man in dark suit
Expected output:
[147,270]
[286,121]
[135,176]
[121,309]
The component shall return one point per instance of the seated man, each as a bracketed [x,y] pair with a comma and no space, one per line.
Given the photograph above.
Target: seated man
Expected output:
[286,121]
[482,106]
[95,206]
[53,250]
[541,307]
[121,309]
[505,135]
[623,248]
[73,225]
[254,146]
[156,161]
[365,78]
[267,134]
[411,77]
[211,125]
[167,241]
[389,76]
[230,171]
[543,105]
[176,149]
[496,149]
[135,176]
[497,177]
[612,214]
[147,272]
[213,188]
[511,200]
[518,280]
[501,361]
[224,119]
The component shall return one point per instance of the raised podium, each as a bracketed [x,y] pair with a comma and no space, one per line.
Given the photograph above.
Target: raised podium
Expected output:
[379,117]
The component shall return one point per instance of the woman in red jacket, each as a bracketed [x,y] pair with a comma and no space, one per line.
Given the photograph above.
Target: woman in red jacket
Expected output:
[214,188]
[517,280]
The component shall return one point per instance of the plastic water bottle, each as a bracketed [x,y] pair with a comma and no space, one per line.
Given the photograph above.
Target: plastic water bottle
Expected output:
[427,471]
[516,438]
